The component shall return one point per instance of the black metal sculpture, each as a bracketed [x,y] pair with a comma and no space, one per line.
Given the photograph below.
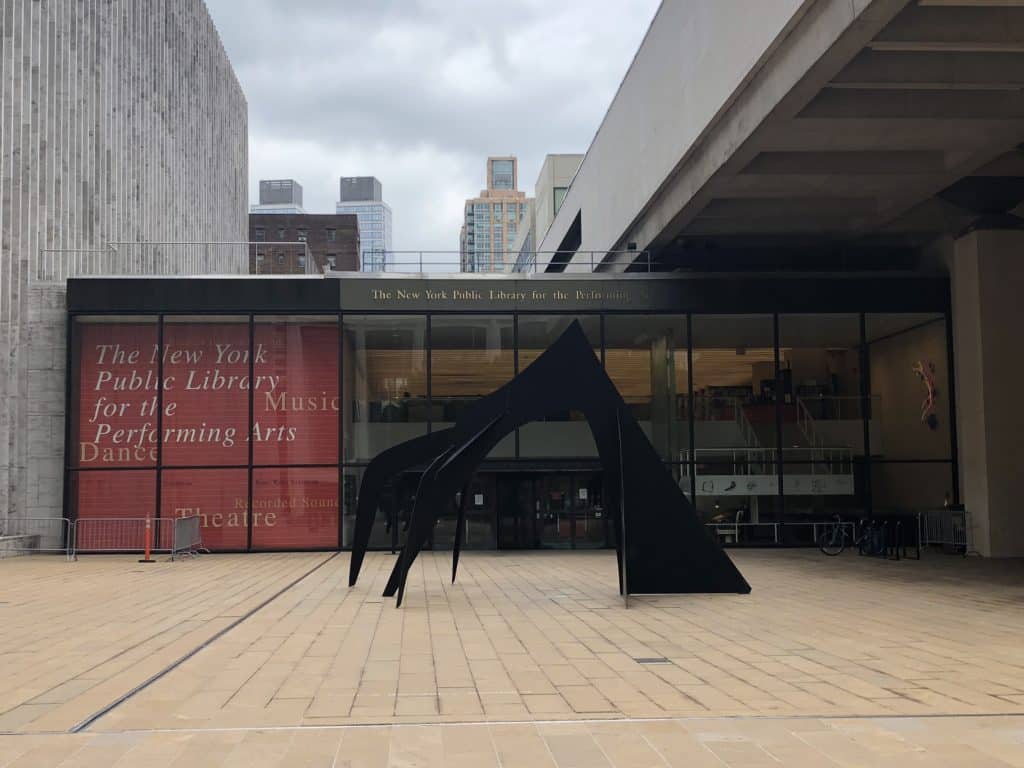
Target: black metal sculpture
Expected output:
[662,547]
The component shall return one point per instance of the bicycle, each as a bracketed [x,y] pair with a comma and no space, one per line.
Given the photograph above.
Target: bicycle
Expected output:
[833,540]
[871,541]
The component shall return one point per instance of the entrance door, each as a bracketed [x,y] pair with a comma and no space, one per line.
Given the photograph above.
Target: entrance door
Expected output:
[516,516]
[590,515]
[552,510]
[554,505]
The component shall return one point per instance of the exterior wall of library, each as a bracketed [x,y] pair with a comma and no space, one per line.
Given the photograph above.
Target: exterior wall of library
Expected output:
[781,398]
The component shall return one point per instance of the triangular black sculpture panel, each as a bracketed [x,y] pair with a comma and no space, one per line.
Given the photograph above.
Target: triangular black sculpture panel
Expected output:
[667,549]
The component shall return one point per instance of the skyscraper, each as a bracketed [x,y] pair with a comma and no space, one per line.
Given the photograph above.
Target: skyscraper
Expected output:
[492,220]
[279,196]
[362,196]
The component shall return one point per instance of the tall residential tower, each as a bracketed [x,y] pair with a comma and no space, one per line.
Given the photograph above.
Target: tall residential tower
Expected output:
[492,220]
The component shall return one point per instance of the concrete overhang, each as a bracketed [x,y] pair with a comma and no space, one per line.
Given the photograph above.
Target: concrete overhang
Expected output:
[869,125]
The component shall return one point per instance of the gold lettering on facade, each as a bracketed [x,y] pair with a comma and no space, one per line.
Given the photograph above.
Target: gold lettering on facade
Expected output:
[521,296]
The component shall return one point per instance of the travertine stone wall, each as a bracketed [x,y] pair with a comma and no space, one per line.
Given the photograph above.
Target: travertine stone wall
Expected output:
[119,121]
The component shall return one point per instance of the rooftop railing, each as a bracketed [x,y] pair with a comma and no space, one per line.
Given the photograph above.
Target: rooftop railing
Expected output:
[172,259]
[491,262]
[179,259]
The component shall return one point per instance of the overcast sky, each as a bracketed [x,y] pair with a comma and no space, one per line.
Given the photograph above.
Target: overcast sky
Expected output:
[419,92]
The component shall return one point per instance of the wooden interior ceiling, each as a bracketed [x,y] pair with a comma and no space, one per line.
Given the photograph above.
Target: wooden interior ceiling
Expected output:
[477,372]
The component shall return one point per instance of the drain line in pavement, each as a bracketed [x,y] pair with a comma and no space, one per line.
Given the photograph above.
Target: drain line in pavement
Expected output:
[178,662]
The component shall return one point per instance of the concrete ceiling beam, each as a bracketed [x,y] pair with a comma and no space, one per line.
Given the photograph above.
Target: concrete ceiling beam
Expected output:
[806,185]
[973,3]
[916,104]
[795,241]
[739,207]
[841,134]
[837,226]
[953,28]
[931,70]
[826,38]
[1008,164]
[933,215]
[864,163]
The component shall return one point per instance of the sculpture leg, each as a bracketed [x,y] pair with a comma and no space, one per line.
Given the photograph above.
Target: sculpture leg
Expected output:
[387,465]
[460,524]
[421,521]
[458,463]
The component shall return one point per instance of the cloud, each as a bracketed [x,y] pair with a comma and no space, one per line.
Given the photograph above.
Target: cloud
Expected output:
[420,92]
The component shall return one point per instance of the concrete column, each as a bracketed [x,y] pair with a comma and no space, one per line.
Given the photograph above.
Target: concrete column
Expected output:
[663,395]
[988,320]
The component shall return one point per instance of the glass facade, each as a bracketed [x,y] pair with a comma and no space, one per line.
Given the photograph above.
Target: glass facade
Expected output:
[374,220]
[263,425]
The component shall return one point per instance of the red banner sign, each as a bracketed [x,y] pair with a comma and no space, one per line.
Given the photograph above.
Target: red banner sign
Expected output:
[207,381]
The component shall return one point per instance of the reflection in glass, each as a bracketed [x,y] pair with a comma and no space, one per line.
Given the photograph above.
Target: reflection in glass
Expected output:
[206,391]
[645,357]
[822,416]
[394,510]
[734,392]
[384,371]
[97,496]
[565,435]
[820,357]
[114,390]
[295,508]
[217,496]
[481,516]
[122,494]
[517,510]
[909,486]
[471,356]
[295,411]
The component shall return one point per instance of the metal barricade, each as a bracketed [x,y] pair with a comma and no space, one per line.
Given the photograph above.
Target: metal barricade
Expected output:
[735,532]
[27,535]
[188,538]
[122,534]
[949,528]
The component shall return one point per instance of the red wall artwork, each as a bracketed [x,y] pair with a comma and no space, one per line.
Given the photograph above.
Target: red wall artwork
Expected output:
[204,434]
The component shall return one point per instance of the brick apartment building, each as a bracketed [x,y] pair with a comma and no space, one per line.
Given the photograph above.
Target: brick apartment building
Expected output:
[332,240]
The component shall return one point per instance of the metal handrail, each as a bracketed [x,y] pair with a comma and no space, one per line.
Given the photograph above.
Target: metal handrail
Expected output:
[165,258]
[41,534]
[151,259]
[744,459]
[702,412]
[578,261]
[805,423]
[838,401]
[746,428]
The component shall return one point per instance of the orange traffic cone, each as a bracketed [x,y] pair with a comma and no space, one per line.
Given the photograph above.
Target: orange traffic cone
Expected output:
[149,542]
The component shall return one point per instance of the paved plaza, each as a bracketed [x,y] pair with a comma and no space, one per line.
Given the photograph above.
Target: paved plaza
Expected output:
[529,659]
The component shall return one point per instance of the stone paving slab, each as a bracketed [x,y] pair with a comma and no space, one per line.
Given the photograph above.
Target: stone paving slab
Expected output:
[954,742]
[540,636]
[530,659]
[528,636]
[76,636]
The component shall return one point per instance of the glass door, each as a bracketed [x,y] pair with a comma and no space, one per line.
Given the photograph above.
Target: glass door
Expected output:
[516,516]
[591,518]
[554,505]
